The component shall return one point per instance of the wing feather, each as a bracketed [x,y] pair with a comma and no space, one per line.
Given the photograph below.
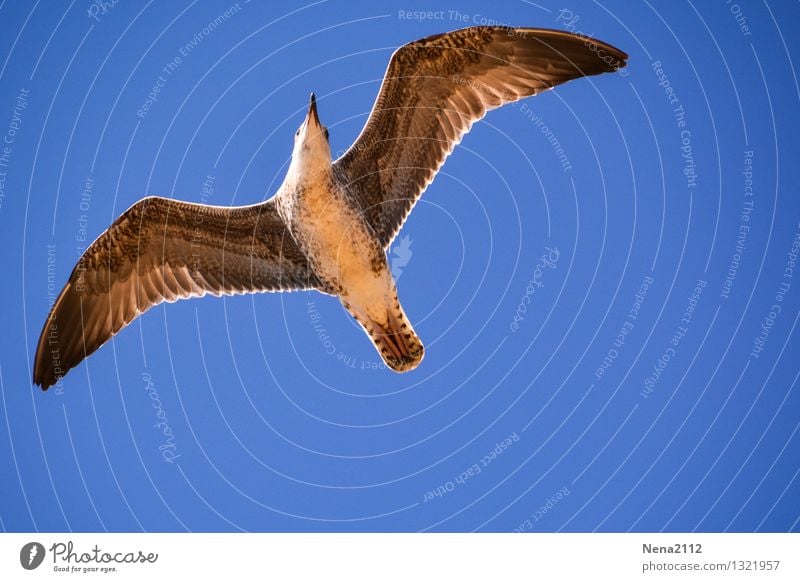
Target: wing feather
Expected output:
[435,89]
[165,250]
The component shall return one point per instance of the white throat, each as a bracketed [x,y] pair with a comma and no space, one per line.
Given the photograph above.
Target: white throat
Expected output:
[311,158]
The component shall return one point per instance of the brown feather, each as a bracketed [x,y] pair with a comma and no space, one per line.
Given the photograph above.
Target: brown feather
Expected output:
[435,89]
[165,250]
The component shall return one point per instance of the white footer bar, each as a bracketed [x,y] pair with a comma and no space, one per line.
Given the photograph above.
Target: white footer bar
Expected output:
[419,557]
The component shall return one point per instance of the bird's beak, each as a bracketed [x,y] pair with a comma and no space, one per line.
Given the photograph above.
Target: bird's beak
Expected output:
[312,111]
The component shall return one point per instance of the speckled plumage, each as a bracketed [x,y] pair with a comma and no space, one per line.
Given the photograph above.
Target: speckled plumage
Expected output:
[330,222]
[436,88]
[163,250]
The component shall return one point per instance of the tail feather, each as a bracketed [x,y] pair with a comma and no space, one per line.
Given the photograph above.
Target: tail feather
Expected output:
[397,343]
[395,339]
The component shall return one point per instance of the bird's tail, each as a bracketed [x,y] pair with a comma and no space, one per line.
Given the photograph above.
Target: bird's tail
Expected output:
[395,339]
[397,342]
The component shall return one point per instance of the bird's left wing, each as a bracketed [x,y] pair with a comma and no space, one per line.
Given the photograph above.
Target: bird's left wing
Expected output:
[164,250]
[435,89]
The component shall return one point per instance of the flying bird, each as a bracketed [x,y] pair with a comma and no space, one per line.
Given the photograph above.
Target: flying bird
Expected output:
[330,223]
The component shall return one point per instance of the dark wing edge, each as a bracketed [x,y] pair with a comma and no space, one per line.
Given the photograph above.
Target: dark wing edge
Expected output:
[164,250]
[435,89]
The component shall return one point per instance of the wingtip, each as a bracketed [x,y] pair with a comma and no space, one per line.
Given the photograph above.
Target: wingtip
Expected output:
[621,56]
[601,48]
[44,371]
[38,383]
[40,379]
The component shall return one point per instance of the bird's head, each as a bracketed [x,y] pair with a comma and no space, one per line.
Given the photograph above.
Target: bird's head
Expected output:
[311,148]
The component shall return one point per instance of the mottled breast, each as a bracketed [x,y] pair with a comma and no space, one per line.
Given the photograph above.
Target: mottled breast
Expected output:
[338,243]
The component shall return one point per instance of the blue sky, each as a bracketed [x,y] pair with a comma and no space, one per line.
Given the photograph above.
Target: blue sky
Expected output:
[604,278]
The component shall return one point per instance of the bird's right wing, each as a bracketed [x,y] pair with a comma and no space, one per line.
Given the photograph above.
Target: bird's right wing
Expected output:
[436,88]
[164,250]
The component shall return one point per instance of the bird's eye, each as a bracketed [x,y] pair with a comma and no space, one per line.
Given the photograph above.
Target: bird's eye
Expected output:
[327,135]
[297,133]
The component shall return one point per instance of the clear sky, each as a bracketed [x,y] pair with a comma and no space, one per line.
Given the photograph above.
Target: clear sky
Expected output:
[604,278]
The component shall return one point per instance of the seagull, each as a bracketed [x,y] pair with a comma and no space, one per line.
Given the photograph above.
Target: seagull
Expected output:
[330,223]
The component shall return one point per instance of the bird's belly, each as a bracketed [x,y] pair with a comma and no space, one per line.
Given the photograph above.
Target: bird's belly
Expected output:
[340,248]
